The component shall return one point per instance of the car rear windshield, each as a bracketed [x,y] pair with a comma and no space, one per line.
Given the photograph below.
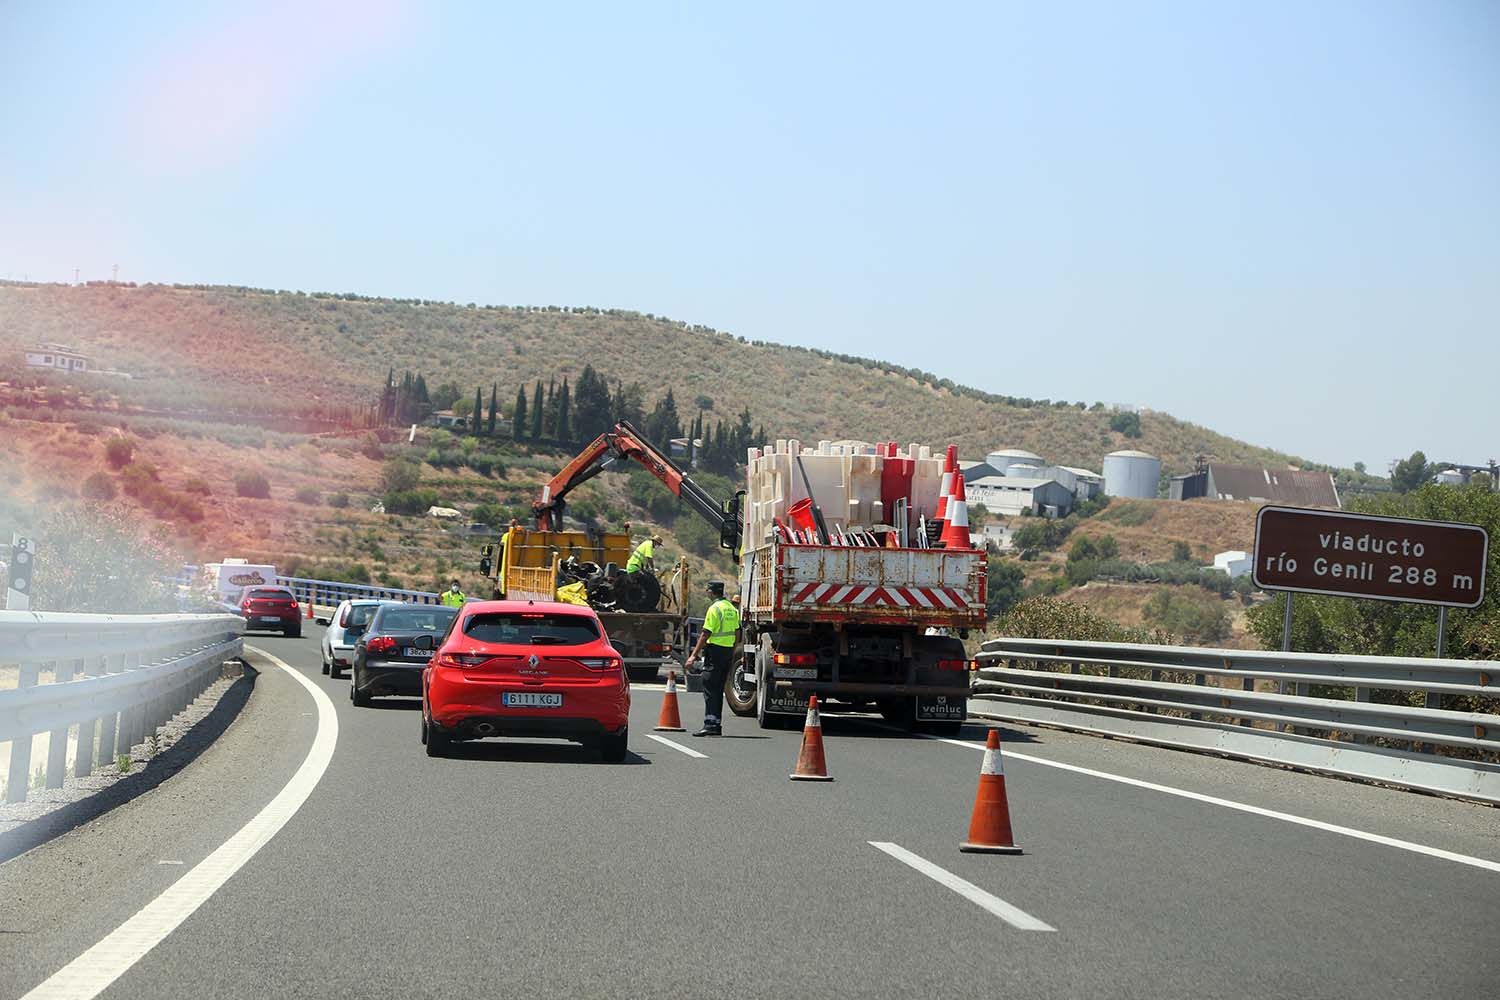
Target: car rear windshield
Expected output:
[520,628]
[284,595]
[433,619]
[359,614]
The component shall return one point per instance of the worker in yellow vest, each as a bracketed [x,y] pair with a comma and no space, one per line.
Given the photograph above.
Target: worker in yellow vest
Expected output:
[644,556]
[453,597]
[721,630]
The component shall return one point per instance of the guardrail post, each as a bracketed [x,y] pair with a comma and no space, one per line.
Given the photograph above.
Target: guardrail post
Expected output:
[18,778]
[109,723]
[83,764]
[57,739]
[130,718]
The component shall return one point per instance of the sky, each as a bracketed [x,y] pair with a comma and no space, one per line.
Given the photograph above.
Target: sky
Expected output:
[1278,220]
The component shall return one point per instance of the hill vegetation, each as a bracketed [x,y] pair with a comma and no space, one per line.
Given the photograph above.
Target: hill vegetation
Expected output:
[266,351]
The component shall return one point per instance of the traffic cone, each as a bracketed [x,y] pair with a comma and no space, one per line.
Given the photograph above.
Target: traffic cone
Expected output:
[310,595]
[669,721]
[989,827]
[956,528]
[810,763]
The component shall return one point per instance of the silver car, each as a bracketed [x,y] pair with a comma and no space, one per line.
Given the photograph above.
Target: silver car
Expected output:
[344,628]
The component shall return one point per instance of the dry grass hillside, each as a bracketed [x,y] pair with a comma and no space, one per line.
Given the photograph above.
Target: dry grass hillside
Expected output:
[242,348]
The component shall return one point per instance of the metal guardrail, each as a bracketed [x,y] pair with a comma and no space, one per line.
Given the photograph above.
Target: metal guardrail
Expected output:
[116,678]
[329,593]
[1161,694]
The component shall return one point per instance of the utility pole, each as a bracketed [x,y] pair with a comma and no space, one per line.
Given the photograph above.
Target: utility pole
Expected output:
[75,275]
[114,272]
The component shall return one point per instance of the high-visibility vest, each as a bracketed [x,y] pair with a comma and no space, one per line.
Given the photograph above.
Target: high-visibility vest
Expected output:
[642,552]
[453,598]
[721,623]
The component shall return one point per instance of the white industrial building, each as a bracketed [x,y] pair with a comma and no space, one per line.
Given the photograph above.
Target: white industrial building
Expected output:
[1233,563]
[59,357]
[1012,496]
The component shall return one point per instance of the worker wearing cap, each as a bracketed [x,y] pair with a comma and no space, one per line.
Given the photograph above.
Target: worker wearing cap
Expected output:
[721,627]
[644,556]
[453,597]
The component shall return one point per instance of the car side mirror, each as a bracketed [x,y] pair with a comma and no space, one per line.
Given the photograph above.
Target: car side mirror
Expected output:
[422,642]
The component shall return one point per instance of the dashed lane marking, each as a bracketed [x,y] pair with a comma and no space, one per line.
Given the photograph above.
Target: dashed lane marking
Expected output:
[1244,807]
[1013,915]
[677,746]
[92,972]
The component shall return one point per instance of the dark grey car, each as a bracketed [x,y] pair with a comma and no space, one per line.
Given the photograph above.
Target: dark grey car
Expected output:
[394,649]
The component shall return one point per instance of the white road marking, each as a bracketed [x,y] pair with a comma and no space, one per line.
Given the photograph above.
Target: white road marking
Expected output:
[677,746]
[92,972]
[1316,824]
[1012,915]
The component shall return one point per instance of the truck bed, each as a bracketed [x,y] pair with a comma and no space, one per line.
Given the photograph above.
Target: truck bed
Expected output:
[830,583]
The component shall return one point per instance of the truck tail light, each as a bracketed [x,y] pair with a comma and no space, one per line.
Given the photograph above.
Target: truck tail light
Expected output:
[796,659]
[658,647]
[380,644]
[599,662]
[953,664]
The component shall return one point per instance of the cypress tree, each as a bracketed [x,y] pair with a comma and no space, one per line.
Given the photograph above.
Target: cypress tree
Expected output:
[494,406]
[536,412]
[563,431]
[518,419]
[478,413]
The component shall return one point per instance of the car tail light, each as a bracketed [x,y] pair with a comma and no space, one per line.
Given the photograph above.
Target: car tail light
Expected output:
[953,664]
[461,661]
[796,659]
[380,644]
[294,605]
[599,662]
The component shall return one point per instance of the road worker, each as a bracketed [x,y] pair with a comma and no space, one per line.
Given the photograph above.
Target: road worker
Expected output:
[717,641]
[644,556]
[453,597]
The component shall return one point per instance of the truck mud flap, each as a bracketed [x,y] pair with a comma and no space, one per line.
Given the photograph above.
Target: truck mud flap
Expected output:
[786,701]
[941,708]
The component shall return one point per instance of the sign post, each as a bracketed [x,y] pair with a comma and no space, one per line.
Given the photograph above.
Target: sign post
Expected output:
[22,572]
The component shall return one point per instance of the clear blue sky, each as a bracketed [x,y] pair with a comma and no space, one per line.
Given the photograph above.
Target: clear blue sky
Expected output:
[1281,220]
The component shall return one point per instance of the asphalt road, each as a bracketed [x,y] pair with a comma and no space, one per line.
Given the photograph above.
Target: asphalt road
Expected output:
[528,870]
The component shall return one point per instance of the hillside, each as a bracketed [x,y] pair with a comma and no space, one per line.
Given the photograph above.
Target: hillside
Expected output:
[257,350]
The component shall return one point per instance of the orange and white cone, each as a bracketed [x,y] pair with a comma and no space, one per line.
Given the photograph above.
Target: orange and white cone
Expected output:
[669,721]
[311,595]
[956,528]
[810,763]
[989,828]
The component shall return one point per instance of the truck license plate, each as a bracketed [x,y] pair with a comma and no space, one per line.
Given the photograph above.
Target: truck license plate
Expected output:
[941,708]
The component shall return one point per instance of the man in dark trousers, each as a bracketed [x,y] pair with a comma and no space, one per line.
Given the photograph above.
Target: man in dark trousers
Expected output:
[721,630]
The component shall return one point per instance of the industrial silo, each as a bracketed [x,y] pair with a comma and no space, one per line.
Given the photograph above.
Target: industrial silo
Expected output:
[1131,474]
[1005,457]
[1448,477]
[1023,470]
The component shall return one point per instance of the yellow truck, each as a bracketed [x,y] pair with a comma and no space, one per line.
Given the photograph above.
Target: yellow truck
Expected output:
[529,564]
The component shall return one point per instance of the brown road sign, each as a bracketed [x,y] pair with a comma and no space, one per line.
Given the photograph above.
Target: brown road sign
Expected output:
[1360,555]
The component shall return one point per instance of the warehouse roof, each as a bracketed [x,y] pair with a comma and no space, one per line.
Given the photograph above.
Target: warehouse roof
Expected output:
[1293,486]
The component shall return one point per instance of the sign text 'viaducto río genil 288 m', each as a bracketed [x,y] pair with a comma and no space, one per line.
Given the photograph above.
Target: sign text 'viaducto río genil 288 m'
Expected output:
[1360,555]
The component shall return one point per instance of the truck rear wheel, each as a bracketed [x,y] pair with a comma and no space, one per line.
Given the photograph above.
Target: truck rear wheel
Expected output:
[766,719]
[740,695]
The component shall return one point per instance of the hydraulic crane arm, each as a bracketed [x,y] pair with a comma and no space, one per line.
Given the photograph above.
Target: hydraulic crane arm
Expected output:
[625,442]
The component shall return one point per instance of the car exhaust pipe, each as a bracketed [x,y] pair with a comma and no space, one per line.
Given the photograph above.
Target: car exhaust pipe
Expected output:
[485,728]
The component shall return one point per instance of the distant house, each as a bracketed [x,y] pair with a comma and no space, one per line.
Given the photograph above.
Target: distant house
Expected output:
[59,357]
[1219,481]
[448,420]
[1015,495]
[1233,563]
[678,447]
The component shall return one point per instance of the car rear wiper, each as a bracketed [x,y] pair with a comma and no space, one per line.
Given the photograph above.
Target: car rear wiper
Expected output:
[547,640]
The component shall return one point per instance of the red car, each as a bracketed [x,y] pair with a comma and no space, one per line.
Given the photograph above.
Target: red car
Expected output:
[271,608]
[526,668]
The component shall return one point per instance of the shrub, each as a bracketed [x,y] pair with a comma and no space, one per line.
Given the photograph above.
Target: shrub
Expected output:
[369,446]
[339,500]
[698,538]
[1181,552]
[400,476]
[137,477]
[98,487]
[1128,424]
[410,501]
[197,485]
[252,484]
[1194,616]
[1004,582]
[307,494]
[118,452]
[1050,618]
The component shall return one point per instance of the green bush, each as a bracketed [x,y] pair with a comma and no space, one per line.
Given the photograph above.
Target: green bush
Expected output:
[252,484]
[698,538]
[339,500]
[1128,424]
[400,476]
[98,487]
[118,452]
[197,485]
[1194,616]
[137,477]
[1003,587]
[307,495]
[414,501]
[1050,618]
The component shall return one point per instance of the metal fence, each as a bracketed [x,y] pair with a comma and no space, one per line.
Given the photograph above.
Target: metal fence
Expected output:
[100,683]
[1322,713]
[327,593]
